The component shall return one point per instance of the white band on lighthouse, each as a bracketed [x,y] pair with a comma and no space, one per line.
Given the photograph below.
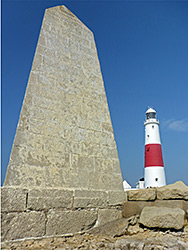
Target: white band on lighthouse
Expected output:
[152,132]
[154,177]
[154,167]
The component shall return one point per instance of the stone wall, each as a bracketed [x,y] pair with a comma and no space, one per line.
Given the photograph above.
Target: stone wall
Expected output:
[45,213]
[161,222]
[35,213]
[168,197]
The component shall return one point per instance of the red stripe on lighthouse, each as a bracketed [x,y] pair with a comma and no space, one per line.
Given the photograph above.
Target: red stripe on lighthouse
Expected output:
[153,155]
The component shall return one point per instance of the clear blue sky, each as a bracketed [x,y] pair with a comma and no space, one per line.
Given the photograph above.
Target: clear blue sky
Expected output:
[143,51]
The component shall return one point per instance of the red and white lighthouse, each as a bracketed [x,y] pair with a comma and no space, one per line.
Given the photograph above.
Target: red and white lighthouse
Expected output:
[154,167]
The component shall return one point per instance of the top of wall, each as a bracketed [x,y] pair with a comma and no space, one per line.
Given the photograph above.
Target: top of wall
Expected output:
[176,191]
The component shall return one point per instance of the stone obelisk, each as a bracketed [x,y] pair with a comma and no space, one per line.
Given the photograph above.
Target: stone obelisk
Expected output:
[64,139]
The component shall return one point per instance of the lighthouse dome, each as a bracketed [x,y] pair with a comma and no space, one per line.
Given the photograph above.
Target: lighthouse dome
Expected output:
[151,110]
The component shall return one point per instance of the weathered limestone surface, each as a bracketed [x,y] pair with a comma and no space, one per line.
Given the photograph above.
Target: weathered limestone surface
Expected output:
[146,241]
[131,208]
[100,221]
[172,196]
[64,166]
[155,242]
[142,194]
[37,199]
[114,228]
[106,215]
[176,190]
[54,211]
[116,197]
[44,199]
[62,222]
[124,233]
[22,225]
[162,217]
[87,198]
[65,137]
[13,199]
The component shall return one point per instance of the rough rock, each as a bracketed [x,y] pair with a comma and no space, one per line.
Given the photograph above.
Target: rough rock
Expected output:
[186,229]
[162,217]
[153,243]
[131,208]
[134,229]
[129,244]
[176,190]
[147,241]
[23,225]
[117,227]
[113,228]
[142,194]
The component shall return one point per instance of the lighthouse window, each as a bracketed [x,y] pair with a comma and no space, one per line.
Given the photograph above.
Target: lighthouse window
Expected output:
[152,126]
[151,115]
[156,179]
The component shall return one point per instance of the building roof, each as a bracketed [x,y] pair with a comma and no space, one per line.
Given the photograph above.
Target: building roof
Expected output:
[151,110]
[126,185]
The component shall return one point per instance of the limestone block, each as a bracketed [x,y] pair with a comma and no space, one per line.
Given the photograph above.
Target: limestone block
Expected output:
[162,217]
[87,198]
[22,225]
[114,182]
[116,197]
[131,208]
[63,222]
[44,199]
[172,204]
[113,228]
[107,215]
[13,199]
[177,190]
[148,194]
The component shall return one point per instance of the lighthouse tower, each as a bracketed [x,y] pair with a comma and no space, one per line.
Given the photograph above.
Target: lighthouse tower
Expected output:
[154,167]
